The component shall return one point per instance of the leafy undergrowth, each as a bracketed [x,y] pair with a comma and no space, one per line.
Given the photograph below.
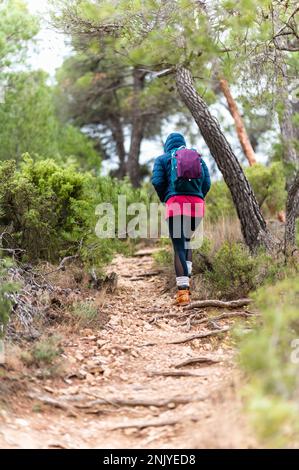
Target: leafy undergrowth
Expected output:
[269,355]
[226,271]
[45,356]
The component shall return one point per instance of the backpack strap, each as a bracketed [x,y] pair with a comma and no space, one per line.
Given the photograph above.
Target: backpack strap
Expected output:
[174,151]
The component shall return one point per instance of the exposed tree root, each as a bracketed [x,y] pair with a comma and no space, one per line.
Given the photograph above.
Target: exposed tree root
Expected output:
[115,401]
[177,373]
[205,360]
[222,316]
[179,400]
[218,304]
[141,424]
[199,336]
[188,338]
[176,315]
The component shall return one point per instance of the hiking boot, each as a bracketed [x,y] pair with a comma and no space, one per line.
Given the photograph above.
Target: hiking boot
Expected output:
[183,297]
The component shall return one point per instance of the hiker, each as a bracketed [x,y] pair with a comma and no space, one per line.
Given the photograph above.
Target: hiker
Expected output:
[181,179]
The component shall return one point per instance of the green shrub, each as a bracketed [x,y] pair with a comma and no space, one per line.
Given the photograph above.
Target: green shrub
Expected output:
[85,312]
[50,210]
[268,183]
[219,202]
[6,287]
[232,271]
[45,355]
[164,257]
[268,355]
[44,352]
[42,203]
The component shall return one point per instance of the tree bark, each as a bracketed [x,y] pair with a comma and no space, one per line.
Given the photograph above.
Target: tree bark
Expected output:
[290,159]
[292,210]
[288,134]
[240,128]
[137,128]
[253,225]
[288,137]
[118,137]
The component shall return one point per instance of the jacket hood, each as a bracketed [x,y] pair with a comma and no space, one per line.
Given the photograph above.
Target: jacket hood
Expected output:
[174,141]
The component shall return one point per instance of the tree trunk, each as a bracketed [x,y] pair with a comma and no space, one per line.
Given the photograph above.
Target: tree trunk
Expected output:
[118,137]
[240,128]
[288,134]
[137,128]
[253,225]
[292,210]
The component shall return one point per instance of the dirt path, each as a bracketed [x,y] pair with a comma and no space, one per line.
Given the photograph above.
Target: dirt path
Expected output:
[114,374]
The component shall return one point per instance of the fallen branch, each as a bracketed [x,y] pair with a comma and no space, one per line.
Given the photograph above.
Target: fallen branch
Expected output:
[198,336]
[141,424]
[197,360]
[223,316]
[52,402]
[177,373]
[176,315]
[179,400]
[61,266]
[218,304]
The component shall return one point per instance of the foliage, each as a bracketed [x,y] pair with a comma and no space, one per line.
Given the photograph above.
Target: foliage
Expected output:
[6,287]
[85,313]
[268,183]
[164,256]
[28,123]
[232,272]
[76,146]
[226,270]
[96,90]
[219,202]
[50,210]
[45,354]
[42,203]
[17,27]
[269,356]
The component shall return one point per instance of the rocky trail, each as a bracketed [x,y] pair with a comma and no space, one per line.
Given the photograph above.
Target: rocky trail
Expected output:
[140,381]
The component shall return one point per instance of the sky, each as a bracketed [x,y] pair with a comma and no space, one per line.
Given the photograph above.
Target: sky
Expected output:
[50,47]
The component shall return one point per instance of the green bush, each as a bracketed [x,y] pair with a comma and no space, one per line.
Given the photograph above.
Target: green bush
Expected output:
[233,271]
[85,313]
[269,356]
[6,287]
[268,183]
[219,202]
[46,351]
[42,203]
[45,355]
[50,209]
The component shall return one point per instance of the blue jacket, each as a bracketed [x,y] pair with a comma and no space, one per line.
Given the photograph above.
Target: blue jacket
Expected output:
[161,171]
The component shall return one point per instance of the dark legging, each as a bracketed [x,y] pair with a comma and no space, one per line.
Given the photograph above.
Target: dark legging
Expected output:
[181,229]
